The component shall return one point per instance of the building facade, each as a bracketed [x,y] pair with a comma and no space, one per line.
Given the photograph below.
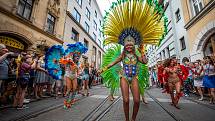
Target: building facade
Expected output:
[175,44]
[83,24]
[25,24]
[168,48]
[151,55]
[180,33]
[199,16]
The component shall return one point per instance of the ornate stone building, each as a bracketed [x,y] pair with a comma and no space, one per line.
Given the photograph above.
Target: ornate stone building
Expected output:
[199,18]
[26,24]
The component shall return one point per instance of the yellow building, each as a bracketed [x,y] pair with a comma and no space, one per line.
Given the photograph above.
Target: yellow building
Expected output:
[26,23]
[199,18]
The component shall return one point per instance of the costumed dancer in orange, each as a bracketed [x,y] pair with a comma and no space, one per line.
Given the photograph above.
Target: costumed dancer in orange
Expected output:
[72,71]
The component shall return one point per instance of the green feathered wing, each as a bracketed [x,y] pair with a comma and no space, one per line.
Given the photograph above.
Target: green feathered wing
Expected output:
[112,75]
[143,75]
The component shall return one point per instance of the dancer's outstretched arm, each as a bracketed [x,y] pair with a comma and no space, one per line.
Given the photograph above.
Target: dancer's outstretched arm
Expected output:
[143,59]
[112,64]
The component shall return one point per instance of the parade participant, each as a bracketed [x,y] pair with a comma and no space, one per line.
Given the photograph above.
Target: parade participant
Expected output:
[111,97]
[85,79]
[72,70]
[144,99]
[160,73]
[174,82]
[131,23]
[183,74]
[70,58]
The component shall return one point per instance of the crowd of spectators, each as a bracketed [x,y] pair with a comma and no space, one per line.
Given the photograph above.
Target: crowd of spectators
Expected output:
[23,78]
[200,81]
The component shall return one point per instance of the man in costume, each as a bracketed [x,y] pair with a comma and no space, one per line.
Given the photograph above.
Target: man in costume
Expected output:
[70,59]
[130,23]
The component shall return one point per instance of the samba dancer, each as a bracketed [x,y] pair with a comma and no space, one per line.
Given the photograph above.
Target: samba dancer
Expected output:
[70,58]
[131,23]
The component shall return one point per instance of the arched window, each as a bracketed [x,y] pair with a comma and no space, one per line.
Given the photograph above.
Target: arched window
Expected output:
[207,47]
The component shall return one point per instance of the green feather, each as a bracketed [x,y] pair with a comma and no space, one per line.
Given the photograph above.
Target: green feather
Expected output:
[143,75]
[111,76]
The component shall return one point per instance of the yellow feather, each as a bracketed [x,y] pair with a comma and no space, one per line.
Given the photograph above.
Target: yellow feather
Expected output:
[136,14]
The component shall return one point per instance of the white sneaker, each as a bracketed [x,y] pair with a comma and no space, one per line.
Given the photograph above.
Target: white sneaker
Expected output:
[26,100]
[201,99]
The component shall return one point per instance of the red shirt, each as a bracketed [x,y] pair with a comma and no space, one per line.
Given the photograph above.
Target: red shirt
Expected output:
[184,73]
[160,74]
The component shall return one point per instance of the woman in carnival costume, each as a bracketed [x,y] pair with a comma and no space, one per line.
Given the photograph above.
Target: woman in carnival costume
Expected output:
[130,23]
[56,56]
[175,74]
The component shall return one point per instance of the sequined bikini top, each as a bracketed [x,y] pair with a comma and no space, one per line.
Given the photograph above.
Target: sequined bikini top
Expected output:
[130,60]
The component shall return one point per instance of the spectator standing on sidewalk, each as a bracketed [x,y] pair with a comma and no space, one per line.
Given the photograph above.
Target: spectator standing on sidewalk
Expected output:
[85,79]
[4,67]
[22,81]
[41,77]
[198,78]
[188,82]
[92,75]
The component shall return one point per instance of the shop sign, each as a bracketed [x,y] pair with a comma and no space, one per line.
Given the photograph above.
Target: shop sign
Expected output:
[11,42]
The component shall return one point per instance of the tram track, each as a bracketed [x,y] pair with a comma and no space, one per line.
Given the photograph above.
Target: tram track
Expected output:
[44,110]
[164,108]
[97,113]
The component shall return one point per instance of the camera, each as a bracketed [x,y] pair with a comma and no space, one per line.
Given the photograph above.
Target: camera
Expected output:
[15,55]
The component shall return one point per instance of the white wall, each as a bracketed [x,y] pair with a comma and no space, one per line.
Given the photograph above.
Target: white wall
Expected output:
[92,8]
[180,31]
[168,41]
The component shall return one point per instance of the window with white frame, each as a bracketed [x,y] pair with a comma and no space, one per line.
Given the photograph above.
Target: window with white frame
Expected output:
[87,13]
[25,8]
[94,36]
[87,27]
[95,25]
[79,2]
[100,33]
[197,6]
[76,15]
[177,15]
[100,43]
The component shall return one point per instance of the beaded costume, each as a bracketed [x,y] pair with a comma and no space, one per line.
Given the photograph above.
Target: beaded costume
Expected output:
[57,56]
[131,22]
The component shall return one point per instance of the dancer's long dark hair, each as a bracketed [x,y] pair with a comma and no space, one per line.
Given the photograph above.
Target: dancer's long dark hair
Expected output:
[167,62]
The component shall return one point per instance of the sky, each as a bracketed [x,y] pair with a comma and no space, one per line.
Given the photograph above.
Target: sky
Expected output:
[104,5]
